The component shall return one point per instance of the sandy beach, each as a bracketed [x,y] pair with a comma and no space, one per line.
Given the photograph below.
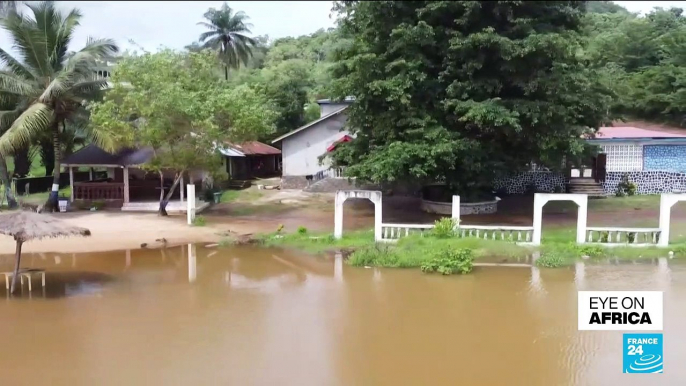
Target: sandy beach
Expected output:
[112,230]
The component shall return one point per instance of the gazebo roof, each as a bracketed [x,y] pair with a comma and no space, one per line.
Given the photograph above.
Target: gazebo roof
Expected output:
[92,155]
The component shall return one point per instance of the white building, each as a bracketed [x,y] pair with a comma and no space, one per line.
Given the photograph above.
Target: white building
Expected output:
[302,147]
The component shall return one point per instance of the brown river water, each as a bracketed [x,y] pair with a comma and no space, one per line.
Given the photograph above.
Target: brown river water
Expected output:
[248,316]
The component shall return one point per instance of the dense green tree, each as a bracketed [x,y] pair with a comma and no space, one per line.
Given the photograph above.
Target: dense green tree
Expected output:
[463,92]
[48,86]
[643,59]
[228,36]
[174,103]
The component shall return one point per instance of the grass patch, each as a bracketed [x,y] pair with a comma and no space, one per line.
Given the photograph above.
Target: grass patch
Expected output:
[433,251]
[199,221]
[318,242]
[245,195]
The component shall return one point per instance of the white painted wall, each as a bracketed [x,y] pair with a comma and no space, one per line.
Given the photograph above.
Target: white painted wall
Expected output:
[300,152]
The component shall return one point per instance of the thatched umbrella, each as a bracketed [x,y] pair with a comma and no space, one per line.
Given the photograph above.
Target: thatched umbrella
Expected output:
[25,226]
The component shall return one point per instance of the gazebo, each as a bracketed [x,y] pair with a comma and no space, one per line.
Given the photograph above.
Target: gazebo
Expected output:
[125,183]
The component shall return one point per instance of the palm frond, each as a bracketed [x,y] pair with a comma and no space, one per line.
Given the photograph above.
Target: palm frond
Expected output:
[205,35]
[7,117]
[29,41]
[30,124]
[15,66]
[16,85]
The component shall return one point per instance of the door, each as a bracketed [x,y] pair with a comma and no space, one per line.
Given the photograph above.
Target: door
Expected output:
[600,170]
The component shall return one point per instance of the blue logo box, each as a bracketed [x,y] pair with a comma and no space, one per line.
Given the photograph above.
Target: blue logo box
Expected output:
[643,353]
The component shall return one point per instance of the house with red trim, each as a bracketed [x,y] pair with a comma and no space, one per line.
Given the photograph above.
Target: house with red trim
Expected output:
[302,147]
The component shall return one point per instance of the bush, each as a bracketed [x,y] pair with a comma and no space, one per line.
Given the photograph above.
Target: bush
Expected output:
[591,250]
[199,221]
[98,205]
[625,187]
[302,230]
[449,261]
[551,260]
[444,228]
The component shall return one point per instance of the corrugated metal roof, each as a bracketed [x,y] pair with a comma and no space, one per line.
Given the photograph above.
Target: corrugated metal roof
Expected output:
[324,118]
[253,148]
[621,132]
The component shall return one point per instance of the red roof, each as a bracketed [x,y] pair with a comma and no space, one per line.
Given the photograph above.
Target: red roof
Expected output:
[345,138]
[254,148]
[617,132]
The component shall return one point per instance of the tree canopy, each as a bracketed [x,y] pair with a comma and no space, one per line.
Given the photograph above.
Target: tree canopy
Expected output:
[175,103]
[644,59]
[463,92]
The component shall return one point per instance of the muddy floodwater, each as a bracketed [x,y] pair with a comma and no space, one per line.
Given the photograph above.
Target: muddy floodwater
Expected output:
[247,316]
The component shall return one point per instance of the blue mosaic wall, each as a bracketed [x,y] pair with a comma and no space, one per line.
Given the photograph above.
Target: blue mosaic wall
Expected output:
[670,158]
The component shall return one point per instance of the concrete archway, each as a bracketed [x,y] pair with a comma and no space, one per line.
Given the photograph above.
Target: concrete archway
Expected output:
[372,195]
[540,199]
[667,201]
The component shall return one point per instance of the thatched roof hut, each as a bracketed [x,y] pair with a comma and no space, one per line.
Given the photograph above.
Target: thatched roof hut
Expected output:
[25,226]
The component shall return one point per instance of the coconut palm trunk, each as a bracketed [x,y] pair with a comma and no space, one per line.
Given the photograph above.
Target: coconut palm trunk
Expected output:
[7,183]
[51,204]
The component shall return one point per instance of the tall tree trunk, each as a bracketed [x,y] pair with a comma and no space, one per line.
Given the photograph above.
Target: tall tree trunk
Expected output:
[22,163]
[47,152]
[226,72]
[5,180]
[164,200]
[51,205]
[17,260]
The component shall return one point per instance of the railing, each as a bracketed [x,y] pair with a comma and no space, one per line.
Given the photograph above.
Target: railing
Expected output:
[623,236]
[497,232]
[329,173]
[393,232]
[98,191]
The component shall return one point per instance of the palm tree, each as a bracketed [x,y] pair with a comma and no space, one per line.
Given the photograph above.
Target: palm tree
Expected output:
[49,85]
[227,36]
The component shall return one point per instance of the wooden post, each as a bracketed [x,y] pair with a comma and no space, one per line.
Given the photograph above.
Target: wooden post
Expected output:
[17,261]
[126,184]
[71,182]
[181,188]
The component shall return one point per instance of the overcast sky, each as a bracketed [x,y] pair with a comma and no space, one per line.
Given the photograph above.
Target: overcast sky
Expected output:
[173,23]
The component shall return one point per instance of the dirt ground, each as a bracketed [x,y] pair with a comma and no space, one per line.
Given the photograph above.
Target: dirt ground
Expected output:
[254,211]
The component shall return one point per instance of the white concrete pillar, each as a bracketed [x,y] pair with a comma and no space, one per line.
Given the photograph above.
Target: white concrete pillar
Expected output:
[71,183]
[190,208]
[181,188]
[126,185]
[666,203]
[582,217]
[338,215]
[90,174]
[538,219]
[456,210]
[192,264]
[378,215]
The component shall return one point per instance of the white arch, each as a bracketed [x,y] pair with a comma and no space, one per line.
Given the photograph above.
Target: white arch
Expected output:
[540,199]
[372,195]
[667,201]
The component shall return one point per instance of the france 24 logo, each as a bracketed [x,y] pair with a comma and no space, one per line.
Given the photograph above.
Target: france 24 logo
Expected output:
[643,353]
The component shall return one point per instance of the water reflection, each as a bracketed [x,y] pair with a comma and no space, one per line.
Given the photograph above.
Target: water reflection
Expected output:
[259,316]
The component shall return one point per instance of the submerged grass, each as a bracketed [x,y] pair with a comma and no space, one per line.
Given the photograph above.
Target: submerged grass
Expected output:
[414,251]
